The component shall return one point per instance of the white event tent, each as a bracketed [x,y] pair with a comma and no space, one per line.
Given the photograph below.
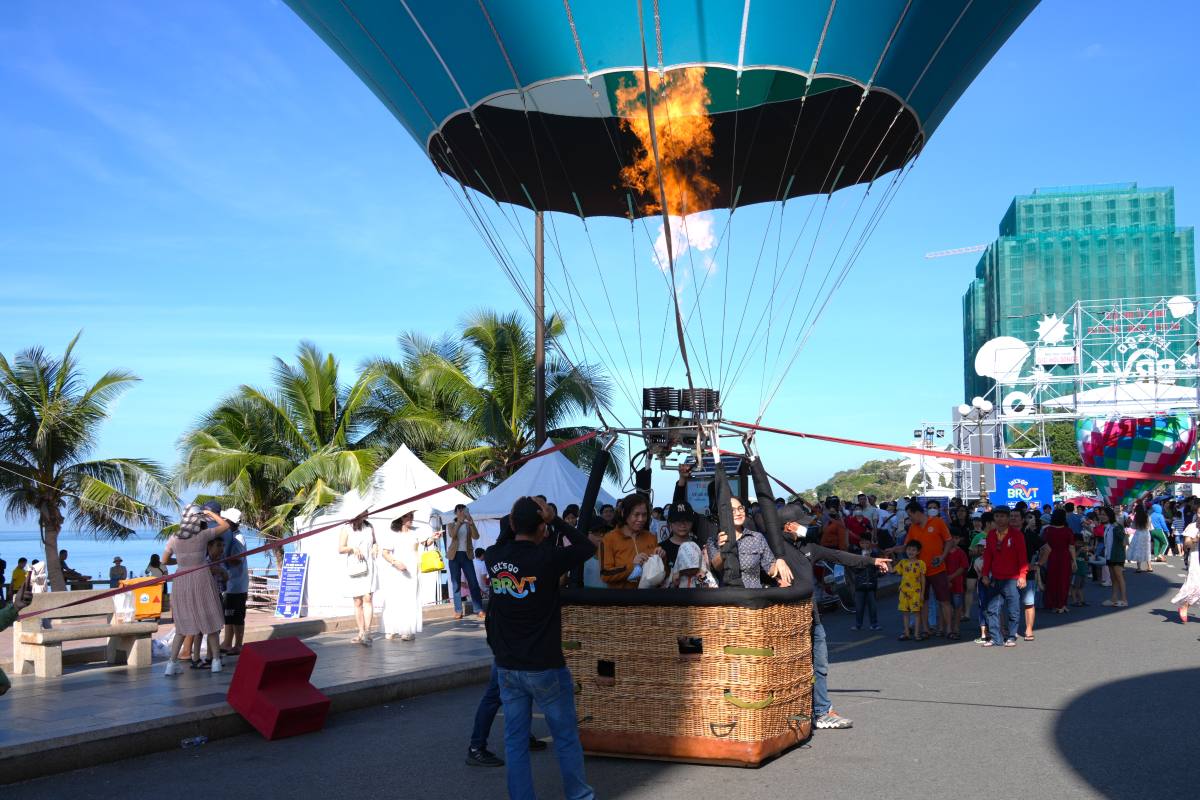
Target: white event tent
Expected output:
[552,475]
[403,475]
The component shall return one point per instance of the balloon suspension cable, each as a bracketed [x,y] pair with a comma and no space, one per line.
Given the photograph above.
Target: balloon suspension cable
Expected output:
[662,193]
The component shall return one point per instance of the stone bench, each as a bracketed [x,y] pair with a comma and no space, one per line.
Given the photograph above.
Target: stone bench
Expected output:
[37,642]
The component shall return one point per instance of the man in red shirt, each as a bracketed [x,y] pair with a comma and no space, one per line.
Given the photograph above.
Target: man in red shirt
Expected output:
[857,524]
[1005,564]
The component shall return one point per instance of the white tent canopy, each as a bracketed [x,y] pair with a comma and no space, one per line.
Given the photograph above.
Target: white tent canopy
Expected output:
[403,475]
[1130,399]
[552,475]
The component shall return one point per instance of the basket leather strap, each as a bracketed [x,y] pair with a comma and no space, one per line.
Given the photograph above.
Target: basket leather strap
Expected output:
[750,705]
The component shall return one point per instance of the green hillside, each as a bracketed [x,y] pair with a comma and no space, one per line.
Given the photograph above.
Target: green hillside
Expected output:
[884,479]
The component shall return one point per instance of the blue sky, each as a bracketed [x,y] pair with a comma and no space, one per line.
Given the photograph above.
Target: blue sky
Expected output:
[200,185]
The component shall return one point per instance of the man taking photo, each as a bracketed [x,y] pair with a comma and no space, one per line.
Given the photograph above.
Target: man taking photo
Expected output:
[524,630]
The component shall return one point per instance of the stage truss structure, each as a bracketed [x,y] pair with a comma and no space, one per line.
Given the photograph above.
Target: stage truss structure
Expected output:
[1125,357]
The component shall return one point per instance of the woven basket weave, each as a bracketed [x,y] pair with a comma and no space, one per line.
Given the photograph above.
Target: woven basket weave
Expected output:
[745,697]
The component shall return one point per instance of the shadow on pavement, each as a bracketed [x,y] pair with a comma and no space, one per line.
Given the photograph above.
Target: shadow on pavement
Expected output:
[1113,736]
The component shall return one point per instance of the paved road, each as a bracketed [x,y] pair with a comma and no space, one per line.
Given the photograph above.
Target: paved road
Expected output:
[1103,704]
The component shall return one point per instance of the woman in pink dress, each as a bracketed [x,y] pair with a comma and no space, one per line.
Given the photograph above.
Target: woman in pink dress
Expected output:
[1058,554]
[195,603]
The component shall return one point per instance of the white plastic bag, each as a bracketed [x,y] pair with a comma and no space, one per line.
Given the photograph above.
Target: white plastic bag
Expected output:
[653,572]
[123,608]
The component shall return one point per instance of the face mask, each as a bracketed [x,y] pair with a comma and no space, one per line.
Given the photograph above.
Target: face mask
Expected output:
[933,512]
[858,512]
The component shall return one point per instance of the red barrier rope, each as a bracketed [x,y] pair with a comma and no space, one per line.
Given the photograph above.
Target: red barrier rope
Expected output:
[278,543]
[1015,462]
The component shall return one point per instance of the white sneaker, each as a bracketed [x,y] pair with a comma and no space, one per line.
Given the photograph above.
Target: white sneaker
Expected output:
[173,668]
[216,665]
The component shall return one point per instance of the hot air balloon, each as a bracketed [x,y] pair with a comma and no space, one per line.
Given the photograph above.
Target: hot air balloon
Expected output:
[520,99]
[601,113]
[1158,445]
[544,106]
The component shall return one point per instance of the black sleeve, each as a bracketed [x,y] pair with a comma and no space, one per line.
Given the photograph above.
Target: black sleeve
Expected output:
[731,567]
[587,511]
[581,549]
[772,528]
[680,493]
[587,507]
[840,557]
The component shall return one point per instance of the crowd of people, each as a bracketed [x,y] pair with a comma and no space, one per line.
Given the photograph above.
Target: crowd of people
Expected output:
[967,561]
[962,563]
[39,581]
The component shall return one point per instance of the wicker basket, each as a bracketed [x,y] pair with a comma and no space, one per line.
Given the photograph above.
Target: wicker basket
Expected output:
[718,684]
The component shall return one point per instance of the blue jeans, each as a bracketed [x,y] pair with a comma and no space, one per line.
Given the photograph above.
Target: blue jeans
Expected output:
[554,692]
[864,600]
[485,715]
[1004,593]
[821,704]
[460,564]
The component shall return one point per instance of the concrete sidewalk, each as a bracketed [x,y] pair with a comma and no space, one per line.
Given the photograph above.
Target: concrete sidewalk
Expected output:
[97,714]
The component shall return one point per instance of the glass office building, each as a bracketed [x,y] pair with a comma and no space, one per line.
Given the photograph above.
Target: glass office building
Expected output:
[1065,245]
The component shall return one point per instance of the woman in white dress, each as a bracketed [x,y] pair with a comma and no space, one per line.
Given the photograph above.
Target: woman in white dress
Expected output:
[1140,544]
[400,579]
[357,542]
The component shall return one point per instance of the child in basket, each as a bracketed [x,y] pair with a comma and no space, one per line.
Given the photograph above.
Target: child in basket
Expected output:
[866,584]
[1189,593]
[912,589]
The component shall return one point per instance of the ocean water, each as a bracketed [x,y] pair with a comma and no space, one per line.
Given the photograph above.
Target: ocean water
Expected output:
[94,557]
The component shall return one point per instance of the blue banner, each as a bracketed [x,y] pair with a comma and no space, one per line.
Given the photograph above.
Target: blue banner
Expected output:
[292,577]
[1014,484]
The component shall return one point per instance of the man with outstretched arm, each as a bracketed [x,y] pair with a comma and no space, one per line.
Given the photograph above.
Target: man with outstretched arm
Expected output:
[799,555]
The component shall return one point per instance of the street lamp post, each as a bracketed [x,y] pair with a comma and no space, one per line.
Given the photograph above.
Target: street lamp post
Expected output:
[977,412]
[926,434]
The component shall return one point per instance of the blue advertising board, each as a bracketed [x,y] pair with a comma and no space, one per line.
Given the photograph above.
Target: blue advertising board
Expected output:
[292,577]
[1014,484]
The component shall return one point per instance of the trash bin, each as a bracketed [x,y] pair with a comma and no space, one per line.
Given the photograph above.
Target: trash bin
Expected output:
[148,600]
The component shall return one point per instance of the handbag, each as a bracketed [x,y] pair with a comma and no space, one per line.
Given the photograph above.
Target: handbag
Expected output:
[356,567]
[431,561]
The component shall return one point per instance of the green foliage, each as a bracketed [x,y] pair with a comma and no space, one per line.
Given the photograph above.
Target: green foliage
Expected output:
[288,450]
[465,403]
[884,479]
[49,422]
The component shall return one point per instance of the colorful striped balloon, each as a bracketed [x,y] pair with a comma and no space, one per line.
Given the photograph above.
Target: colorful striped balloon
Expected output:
[1157,445]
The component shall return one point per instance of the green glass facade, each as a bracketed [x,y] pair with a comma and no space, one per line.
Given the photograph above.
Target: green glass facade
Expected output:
[1060,246]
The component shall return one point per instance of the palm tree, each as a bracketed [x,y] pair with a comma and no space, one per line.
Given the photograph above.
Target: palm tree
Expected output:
[466,403]
[49,424]
[283,453]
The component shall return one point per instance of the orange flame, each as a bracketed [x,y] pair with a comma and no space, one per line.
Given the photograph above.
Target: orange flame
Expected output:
[685,140]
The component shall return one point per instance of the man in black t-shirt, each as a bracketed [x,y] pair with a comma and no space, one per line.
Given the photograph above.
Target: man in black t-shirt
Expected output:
[524,630]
